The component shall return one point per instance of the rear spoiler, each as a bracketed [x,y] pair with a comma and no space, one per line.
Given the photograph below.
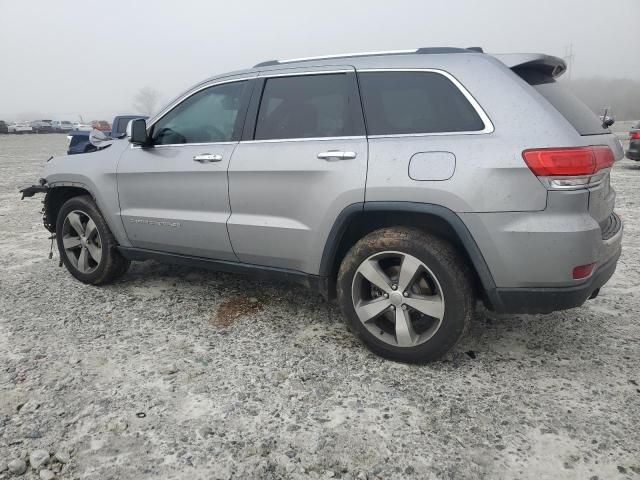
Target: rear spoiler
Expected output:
[552,66]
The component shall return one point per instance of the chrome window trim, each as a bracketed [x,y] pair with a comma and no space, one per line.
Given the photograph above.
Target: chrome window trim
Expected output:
[187,144]
[309,139]
[432,134]
[488,124]
[190,93]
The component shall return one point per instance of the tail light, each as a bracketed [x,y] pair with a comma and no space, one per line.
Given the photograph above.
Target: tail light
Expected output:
[576,166]
[634,135]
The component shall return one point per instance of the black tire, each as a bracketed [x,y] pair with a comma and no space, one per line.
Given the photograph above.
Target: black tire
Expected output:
[112,264]
[442,260]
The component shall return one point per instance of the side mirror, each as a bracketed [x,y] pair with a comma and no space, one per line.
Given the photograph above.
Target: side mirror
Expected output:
[608,121]
[99,139]
[137,131]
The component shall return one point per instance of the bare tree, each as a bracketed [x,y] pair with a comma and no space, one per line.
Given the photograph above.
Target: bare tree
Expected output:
[146,100]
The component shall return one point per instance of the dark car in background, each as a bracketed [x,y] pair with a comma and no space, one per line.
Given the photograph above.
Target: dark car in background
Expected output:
[79,139]
[42,126]
[634,144]
[3,127]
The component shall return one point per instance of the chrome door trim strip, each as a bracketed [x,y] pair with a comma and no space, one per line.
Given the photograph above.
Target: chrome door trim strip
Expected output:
[488,124]
[309,139]
[187,144]
[432,134]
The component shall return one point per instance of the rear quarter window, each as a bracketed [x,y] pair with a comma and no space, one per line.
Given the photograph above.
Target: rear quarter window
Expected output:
[415,102]
[570,107]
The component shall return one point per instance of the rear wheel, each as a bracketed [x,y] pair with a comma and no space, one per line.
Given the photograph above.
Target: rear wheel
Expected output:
[86,245]
[406,294]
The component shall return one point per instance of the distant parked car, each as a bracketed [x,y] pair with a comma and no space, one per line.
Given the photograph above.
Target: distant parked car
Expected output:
[79,142]
[82,127]
[79,139]
[634,144]
[62,126]
[42,126]
[19,127]
[3,127]
[101,125]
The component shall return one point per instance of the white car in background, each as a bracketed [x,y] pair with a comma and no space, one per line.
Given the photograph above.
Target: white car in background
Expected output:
[19,127]
[62,126]
[83,127]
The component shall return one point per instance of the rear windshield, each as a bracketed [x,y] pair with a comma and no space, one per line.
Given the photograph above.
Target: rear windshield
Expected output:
[121,125]
[572,109]
[76,139]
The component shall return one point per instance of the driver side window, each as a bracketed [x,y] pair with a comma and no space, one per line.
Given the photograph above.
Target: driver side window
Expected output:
[205,117]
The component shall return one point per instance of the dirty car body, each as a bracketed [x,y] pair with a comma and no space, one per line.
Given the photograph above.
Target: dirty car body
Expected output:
[511,173]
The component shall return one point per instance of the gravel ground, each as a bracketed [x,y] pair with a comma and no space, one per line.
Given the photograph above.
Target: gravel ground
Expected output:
[183,373]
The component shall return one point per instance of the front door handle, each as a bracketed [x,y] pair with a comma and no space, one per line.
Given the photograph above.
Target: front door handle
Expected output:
[332,155]
[207,158]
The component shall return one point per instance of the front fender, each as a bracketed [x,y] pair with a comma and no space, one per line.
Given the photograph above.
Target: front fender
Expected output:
[94,172]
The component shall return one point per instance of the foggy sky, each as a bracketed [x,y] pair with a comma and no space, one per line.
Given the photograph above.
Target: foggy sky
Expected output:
[64,58]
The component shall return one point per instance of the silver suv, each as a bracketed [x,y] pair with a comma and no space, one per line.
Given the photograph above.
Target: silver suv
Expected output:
[408,184]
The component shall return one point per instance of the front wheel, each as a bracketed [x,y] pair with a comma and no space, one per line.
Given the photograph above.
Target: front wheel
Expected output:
[406,294]
[86,245]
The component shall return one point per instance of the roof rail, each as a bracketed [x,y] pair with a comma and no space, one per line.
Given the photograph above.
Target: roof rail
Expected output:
[423,51]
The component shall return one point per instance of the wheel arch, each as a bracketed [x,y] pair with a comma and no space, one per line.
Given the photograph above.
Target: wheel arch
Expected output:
[56,197]
[357,220]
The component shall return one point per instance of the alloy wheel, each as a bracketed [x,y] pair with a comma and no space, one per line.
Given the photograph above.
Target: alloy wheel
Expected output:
[81,241]
[398,299]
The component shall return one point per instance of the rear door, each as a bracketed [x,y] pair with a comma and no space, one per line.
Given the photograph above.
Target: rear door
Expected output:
[302,160]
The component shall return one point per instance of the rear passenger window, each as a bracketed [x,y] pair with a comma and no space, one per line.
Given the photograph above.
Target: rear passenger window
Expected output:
[415,102]
[308,106]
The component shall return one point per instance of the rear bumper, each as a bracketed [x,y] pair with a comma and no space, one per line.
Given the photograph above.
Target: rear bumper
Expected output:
[547,300]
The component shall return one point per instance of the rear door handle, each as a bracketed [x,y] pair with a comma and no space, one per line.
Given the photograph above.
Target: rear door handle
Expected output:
[207,158]
[332,155]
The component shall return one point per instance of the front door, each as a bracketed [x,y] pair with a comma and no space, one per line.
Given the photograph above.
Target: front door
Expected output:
[304,161]
[174,194]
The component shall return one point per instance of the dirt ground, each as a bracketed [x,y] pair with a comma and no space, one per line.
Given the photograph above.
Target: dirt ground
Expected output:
[183,373]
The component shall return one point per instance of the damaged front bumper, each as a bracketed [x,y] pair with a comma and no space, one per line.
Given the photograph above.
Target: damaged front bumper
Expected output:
[33,189]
